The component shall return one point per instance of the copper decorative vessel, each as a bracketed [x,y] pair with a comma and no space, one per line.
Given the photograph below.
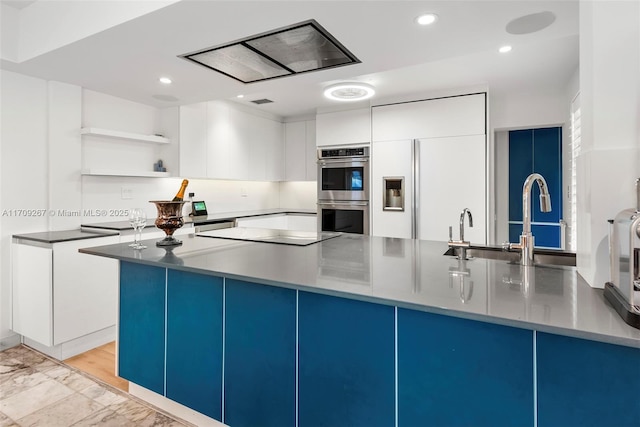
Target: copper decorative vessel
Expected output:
[169,220]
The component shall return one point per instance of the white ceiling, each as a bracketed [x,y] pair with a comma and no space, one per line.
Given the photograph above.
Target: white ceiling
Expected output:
[398,57]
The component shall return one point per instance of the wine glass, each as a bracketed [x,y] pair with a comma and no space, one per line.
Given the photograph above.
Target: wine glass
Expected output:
[135,219]
[142,223]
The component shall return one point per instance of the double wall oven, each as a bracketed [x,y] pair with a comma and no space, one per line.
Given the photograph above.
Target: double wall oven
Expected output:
[343,189]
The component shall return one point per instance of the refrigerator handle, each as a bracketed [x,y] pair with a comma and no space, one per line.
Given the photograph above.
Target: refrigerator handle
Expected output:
[415,182]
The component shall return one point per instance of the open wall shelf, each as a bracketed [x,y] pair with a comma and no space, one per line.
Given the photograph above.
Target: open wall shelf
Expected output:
[124,135]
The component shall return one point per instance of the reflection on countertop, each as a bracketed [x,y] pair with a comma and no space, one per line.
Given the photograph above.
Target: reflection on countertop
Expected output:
[406,273]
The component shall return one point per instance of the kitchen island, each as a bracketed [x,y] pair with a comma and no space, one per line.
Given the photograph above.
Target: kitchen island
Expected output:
[358,330]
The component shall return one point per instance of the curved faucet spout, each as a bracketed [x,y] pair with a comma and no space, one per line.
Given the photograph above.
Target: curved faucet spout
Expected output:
[545,199]
[468,212]
[526,238]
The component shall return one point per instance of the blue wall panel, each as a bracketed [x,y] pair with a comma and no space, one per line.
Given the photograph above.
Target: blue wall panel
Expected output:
[457,372]
[587,383]
[540,151]
[346,362]
[520,166]
[260,355]
[141,325]
[194,341]
[547,161]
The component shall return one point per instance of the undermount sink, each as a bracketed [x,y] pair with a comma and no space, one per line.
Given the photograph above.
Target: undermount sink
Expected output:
[540,256]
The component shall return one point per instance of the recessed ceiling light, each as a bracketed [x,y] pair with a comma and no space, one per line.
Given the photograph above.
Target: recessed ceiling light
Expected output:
[240,96]
[427,19]
[505,49]
[165,80]
[349,92]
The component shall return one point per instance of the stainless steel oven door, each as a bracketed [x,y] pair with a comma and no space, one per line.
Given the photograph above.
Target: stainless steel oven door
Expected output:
[346,217]
[343,179]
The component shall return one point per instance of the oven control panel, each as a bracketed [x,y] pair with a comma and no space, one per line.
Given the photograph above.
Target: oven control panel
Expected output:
[343,152]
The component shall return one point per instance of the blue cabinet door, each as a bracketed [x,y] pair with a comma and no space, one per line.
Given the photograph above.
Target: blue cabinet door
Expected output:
[260,355]
[194,341]
[539,151]
[141,325]
[458,372]
[346,362]
[587,383]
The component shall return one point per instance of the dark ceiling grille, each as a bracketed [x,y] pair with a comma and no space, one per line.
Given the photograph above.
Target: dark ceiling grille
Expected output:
[299,48]
[262,101]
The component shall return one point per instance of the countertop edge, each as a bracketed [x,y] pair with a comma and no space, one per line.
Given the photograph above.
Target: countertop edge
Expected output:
[522,324]
[89,235]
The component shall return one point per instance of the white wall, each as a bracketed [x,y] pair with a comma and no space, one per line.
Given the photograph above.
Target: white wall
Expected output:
[609,91]
[24,171]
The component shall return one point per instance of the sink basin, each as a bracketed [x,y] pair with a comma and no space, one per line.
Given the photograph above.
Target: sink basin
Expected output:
[540,256]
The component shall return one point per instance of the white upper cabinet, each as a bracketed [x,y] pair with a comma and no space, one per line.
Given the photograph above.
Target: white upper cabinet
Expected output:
[311,151]
[433,118]
[193,140]
[344,127]
[220,141]
[300,151]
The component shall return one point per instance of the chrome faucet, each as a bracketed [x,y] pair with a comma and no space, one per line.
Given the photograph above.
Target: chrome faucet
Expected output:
[467,211]
[526,238]
[461,244]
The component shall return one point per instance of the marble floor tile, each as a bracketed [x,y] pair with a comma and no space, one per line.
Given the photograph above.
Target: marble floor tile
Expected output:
[131,409]
[34,398]
[156,419]
[38,391]
[102,395]
[6,421]
[20,381]
[9,368]
[104,418]
[62,413]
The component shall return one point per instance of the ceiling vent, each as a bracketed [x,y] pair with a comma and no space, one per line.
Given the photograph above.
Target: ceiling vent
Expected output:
[262,101]
[296,49]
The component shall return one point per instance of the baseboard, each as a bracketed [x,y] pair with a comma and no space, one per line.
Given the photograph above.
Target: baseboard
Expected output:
[173,408]
[76,346]
[10,341]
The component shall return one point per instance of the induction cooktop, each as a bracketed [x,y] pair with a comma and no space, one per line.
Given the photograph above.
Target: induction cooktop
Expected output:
[267,235]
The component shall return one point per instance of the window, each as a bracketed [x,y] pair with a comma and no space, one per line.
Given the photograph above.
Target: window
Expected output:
[575,152]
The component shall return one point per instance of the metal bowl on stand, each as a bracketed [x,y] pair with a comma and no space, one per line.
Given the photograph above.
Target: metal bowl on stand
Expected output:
[169,220]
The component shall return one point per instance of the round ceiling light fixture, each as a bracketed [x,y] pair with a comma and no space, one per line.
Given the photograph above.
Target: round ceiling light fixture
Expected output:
[165,80]
[505,49]
[349,91]
[427,19]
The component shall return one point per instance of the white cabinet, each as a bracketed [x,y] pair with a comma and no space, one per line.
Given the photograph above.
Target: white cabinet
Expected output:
[301,222]
[60,294]
[300,151]
[344,127]
[276,222]
[221,141]
[297,222]
[452,177]
[434,118]
[391,159]
[193,140]
[439,147]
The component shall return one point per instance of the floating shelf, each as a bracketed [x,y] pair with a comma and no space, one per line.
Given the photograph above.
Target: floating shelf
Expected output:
[110,172]
[124,135]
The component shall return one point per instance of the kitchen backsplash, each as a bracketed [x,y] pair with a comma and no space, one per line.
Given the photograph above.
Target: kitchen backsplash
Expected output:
[113,194]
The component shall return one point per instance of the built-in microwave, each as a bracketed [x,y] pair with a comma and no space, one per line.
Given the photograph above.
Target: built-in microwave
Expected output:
[343,174]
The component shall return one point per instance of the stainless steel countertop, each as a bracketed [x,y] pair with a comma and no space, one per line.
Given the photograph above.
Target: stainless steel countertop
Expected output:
[405,273]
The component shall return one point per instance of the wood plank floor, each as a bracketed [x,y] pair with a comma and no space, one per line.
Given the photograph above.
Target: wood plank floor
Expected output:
[100,363]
